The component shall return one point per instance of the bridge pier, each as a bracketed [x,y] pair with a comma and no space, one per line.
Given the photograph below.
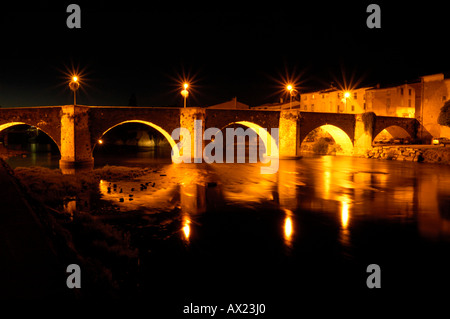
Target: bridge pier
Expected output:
[289,134]
[76,151]
[363,136]
[193,119]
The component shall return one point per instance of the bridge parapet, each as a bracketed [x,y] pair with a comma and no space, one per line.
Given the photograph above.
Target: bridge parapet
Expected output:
[76,128]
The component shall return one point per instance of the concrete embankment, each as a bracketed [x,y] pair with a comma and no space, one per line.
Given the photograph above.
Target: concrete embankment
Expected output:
[29,266]
[418,153]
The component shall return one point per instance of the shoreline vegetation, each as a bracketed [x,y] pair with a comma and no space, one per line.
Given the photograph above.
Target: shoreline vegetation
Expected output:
[104,252]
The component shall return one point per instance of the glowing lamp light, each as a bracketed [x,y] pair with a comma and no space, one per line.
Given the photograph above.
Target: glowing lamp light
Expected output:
[74,85]
[100,141]
[289,87]
[347,95]
[288,228]
[186,228]
[344,214]
[185,92]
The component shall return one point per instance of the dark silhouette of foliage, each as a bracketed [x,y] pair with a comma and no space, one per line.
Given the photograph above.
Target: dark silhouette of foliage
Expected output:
[444,115]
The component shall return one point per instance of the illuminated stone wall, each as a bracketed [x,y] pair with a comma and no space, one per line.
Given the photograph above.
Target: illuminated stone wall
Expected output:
[76,148]
[47,119]
[289,133]
[188,117]
[392,101]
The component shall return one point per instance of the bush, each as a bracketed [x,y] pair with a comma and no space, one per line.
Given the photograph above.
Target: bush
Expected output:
[444,115]
[321,146]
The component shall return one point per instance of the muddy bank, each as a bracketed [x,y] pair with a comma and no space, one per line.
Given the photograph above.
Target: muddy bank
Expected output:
[104,252]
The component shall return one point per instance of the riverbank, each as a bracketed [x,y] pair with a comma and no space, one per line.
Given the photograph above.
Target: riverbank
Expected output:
[31,267]
[417,153]
[41,238]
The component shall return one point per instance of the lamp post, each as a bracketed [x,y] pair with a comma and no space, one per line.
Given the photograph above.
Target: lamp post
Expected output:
[185,92]
[292,92]
[290,89]
[346,96]
[74,85]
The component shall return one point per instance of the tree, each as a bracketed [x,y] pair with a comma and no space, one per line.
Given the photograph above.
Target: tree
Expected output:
[444,115]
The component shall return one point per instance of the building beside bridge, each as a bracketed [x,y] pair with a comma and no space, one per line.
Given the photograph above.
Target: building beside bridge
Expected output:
[421,99]
[384,101]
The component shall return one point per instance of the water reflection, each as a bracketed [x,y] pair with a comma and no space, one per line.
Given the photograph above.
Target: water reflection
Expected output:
[186,227]
[70,206]
[344,233]
[346,186]
[288,228]
[344,214]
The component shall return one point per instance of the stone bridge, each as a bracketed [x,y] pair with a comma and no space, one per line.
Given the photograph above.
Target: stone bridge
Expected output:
[76,129]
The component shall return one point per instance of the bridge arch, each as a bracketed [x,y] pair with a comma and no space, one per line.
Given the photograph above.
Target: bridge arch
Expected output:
[173,144]
[270,143]
[11,124]
[393,131]
[339,135]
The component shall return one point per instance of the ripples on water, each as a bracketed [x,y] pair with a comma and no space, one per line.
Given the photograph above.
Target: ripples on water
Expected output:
[222,230]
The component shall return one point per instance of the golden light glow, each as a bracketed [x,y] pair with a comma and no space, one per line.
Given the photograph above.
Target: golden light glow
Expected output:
[173,144]
[185,85]
[340,137]
[344,214]
[269,142]
[186,227]
[289,87]
[100,141]
[185,93]
[7,125]
[288,228]
[347,94]
[75,78]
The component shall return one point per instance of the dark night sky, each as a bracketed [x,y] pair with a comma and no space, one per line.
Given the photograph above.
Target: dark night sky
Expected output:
[129,47]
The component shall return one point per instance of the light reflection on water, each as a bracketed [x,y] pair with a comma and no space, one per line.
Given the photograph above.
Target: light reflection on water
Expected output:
[319,220]
[288,228]
[349,188]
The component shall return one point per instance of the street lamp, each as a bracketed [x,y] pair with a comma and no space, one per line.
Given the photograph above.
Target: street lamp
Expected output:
[292,92]
[74,85]
[346,96]
[185,92]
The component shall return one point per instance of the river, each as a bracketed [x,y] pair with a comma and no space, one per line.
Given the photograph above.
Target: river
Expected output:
[307,232]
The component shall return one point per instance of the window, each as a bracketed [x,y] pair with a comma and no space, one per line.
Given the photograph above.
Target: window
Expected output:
[353,108]
[355,95]
[364,106]
[312,107]
[444,98]
[401,91]
[409,91]
[306,107]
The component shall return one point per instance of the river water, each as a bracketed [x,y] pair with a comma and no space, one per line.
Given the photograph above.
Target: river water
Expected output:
[223,233]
